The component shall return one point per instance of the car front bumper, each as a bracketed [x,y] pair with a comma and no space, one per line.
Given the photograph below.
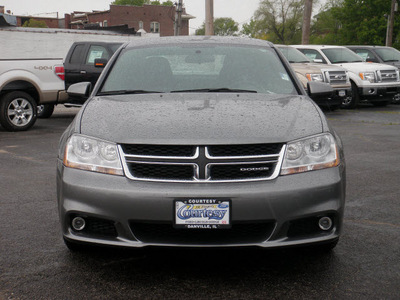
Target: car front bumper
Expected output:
[378,93]
[280,212]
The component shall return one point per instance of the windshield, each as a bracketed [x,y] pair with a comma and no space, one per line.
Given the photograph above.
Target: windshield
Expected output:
[388,54]
[293,55]
[198,67]
[341,55]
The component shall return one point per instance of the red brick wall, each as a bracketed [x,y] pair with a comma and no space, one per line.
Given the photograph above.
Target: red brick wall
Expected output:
[131,15]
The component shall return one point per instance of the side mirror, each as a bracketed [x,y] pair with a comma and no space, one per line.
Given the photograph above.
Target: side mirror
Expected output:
[319,90]
[100,62]
[80,90]
[374,60]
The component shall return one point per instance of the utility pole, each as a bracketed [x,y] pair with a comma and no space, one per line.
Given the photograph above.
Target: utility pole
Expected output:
[209,24]
[389,32]
[305,37]
[178,18]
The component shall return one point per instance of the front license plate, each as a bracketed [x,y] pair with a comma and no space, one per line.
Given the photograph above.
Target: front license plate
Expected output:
[202,213]
[342,93]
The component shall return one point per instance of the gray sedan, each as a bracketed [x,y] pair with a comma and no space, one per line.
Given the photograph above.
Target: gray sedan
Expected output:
[200,142]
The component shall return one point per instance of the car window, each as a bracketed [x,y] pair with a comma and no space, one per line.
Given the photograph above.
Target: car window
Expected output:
[76,54]
[341,55]
[388,54]
[184,68]
[293,55]
[313,55]
[365,54]
[96,52]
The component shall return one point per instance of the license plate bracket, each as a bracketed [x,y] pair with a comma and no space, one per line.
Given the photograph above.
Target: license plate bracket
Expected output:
[207,213]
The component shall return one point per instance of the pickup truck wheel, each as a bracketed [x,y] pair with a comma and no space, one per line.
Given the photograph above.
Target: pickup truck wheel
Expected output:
[352,100]
[45,111]
[17,111]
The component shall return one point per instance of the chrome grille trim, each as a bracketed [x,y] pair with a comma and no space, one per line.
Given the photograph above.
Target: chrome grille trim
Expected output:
[202,163]
[336,77]
[387,76]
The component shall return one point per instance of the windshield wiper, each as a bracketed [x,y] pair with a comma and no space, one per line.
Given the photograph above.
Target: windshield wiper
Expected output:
[391,60]
[218,90]
[127,92]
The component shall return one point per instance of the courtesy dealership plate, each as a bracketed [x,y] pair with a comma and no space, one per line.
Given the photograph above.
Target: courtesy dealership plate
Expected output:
[202,213]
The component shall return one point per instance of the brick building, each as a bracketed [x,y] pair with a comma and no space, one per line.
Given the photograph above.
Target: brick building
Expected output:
[150,18]
[158,19]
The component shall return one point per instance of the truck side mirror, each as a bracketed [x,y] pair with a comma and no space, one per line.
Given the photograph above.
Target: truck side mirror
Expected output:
[100,62]
[80,90]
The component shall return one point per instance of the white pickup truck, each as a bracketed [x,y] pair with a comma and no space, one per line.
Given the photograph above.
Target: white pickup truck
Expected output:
[25,84]
[376,83]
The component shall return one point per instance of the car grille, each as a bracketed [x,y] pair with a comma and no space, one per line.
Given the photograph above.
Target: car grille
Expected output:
[215,163]
[239,233]
[336,77]
[387,76]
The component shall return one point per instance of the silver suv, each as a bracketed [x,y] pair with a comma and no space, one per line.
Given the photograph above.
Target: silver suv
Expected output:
[376,83]
[203,142]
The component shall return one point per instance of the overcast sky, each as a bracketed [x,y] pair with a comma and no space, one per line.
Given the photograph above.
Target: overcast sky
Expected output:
[239,10]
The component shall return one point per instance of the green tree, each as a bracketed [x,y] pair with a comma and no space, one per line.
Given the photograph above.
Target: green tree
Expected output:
[222,26]
[35,24]
[129,2]
[351,22]
[279,21]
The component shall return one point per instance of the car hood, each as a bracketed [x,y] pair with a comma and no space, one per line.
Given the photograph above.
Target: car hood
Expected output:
[201,119]
[365,67]
[315,68]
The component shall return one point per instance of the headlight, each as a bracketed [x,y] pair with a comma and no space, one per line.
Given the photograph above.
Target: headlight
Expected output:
[368,76]
[314,153]
[91,154]
[315,77]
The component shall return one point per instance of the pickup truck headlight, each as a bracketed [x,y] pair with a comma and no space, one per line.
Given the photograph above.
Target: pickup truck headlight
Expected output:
[368,76]
[91,154]
[315,77]
[313,153]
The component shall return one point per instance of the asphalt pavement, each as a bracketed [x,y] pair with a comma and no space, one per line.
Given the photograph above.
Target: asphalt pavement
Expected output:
[35,264]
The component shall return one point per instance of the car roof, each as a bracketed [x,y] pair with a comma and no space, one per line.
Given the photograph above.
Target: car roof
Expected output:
[366,46]
[197,39]
[317,46]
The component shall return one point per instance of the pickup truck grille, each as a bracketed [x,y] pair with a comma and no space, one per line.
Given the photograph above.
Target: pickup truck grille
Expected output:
[336,77]
[216,163]
[387,76]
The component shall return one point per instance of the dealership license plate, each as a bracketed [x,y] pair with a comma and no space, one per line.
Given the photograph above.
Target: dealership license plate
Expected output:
[342,93]
[202,213]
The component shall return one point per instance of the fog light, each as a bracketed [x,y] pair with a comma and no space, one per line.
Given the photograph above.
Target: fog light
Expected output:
[78,223]
[325,223]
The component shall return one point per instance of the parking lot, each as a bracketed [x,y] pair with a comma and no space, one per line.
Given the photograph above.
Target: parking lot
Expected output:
[35,264]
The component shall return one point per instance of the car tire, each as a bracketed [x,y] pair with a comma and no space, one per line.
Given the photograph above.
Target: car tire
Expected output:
[352,100]
[396,99]
[18,111]
[45,111]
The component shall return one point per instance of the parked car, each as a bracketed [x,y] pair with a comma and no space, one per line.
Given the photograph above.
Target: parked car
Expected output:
[376,83]
[79,64]
[307,71]
[204,142]
[25,84]
[379,54]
